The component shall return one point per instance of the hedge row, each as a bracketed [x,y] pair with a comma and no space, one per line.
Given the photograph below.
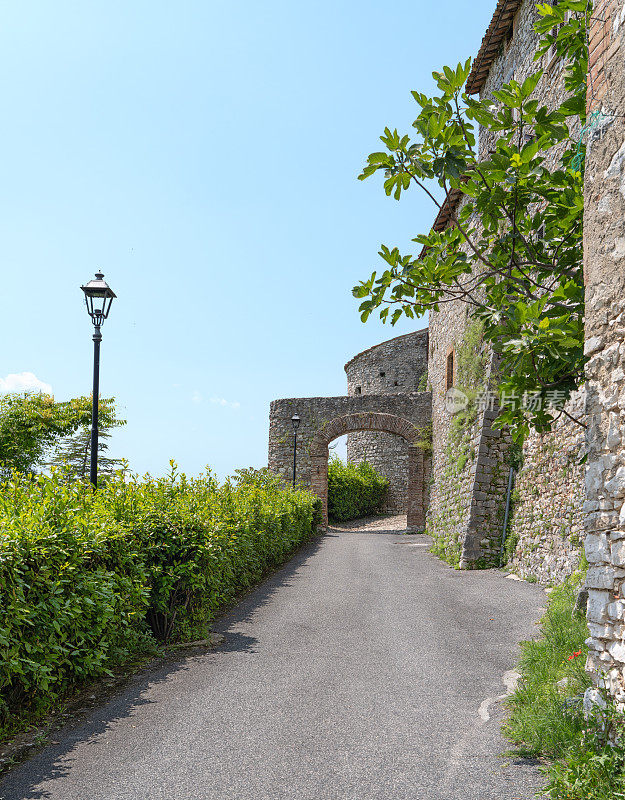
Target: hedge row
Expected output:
[354,490]
[89,579]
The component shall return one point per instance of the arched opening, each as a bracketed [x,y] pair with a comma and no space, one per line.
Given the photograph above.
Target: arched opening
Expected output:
[372,421]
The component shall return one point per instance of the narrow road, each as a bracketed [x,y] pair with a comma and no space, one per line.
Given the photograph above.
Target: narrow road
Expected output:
[365,669]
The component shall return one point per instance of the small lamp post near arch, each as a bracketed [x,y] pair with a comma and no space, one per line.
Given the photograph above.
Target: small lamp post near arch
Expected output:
[295,421]
[98,298]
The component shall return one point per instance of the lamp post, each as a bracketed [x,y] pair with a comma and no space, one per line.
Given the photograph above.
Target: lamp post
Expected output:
[98,297]
[295,421]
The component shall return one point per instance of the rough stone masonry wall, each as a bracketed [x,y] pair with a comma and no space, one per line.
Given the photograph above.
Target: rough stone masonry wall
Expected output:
[547,519]
[604,266]
[468,462]
[392,367]
[547,528]
[410,415]
[468,496]
[452,476]
[516,60]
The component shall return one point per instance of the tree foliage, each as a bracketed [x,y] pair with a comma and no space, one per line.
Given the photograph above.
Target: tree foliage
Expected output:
[512,249]
[73,453]
[33,424]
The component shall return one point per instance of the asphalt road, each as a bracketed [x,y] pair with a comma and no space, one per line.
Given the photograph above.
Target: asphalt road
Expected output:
[365,669]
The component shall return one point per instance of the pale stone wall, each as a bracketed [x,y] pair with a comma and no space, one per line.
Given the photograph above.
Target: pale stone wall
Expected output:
[604,265]
[547,520]
[453,472]
[392,367]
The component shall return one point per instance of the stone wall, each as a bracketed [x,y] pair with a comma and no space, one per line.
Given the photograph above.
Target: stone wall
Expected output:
[471,464]
[324,419]
[392,367]
[516,60]
[604,267]
[453,465]
[546,532]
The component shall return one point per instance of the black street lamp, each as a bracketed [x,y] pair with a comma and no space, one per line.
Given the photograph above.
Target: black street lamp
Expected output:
[98,297]
[295,421]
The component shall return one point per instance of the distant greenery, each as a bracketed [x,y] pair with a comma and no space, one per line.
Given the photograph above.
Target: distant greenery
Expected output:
[73,452]
[354,490]
[585,757]
[88,579]
[33,425]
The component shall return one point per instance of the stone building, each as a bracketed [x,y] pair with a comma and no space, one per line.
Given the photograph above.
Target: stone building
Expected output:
[471,471]
[324,419]
[398,366]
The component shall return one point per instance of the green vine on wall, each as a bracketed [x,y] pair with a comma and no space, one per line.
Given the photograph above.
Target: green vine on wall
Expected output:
[446,528]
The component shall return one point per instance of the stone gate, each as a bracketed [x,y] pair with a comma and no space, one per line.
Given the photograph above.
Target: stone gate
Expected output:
[324,419]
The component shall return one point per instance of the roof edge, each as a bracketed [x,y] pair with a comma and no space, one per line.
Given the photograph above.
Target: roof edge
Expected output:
[496,32]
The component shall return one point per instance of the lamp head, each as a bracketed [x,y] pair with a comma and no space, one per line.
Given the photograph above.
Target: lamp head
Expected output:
[98,297]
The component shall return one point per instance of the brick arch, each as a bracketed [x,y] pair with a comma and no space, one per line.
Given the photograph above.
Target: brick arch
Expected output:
[371,421]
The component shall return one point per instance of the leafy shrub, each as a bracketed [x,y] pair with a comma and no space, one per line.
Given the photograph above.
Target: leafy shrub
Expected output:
[354,490]
[89,579]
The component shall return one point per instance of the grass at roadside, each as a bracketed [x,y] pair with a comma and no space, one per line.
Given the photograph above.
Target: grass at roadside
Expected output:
[546,716]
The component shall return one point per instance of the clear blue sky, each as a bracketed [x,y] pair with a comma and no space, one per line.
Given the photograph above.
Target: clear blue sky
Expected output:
[204,155]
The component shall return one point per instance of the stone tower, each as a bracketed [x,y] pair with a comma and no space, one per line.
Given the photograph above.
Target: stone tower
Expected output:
[393,367]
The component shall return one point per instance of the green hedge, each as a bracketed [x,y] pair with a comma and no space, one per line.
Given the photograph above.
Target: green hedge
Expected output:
[87,579]
[354,490]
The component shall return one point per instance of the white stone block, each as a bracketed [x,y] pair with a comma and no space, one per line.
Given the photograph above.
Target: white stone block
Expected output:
[597,605]
[594,474]
[618,553]
[608,461]
[592,345]
[616,485]
[593,702]
[600,631]
[597,548]
[616,610]
[617,651]
[600,578]
[613,438]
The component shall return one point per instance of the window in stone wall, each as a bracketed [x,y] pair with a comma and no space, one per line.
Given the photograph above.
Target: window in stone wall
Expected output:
[359,390]
[382,374]
[449,374]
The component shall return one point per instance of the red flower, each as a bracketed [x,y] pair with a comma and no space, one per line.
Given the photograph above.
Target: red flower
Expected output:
[578,653]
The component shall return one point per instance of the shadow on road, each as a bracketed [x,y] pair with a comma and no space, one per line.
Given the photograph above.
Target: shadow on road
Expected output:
[54,759]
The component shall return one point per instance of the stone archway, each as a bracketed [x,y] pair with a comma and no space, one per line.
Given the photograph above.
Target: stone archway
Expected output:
[372,421]
[323,419]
